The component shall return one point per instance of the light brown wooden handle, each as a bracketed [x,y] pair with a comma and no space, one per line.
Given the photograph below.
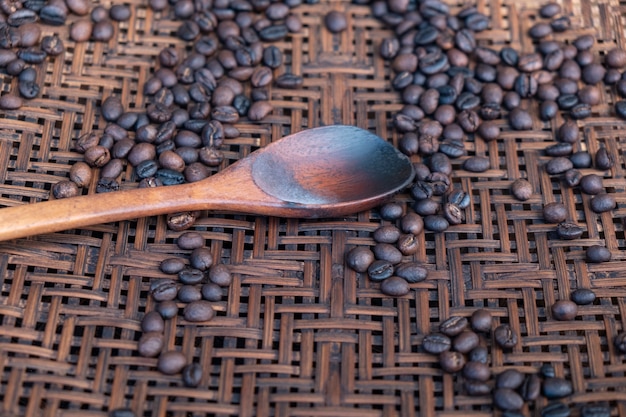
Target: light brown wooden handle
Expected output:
[70,213]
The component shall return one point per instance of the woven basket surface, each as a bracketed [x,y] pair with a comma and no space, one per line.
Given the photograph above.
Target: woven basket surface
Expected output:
[298,333]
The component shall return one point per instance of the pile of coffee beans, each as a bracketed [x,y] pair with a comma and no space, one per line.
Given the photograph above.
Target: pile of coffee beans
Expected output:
[194,99]
[464,348]
[22,44]
[200,282]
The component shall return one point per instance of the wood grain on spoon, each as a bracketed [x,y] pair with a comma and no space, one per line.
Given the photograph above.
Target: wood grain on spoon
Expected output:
[322,172]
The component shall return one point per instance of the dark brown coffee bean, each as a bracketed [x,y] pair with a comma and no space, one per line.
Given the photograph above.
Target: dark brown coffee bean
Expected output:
[479,354]
[119,12]
[436,223]
[481,320]
[595,410]
[388,252]
[558,165]
[112,169]
[198,311]
[510,378]
[583,296]
[559,149]
[570,70]
[453,325]
[150,344]
[189,293]
[620,342]
[604,160]
[220,274]
[615,58]
[141,152]
[163,290]
[436,343]
[520,119]
[152,322]
[555,388]
[591,184]
[426,207]
[171,362]
[507,399]
[335,21]
[395,287]
[540,30]
[259,109]
[172,265]
[102,31]
[412,223]
[380,270]
[531,387]
[564,310]
[521,189]
[451,361]
[549,10]
[476,371]
[190,241]
[476,164]
[597,254]
[391,211]
[97,156]
[412,272]
[80,174]
[465,341]
[80,30]
[65,189]
[408,244]
[195,171]
[505,337]
[386,234]
[488,131]
[453,213]
[211,292]
[603,202]
[569,230]
[554,212]
[360,258]
[10,102]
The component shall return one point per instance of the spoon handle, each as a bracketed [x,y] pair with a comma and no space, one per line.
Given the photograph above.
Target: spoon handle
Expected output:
[56,215]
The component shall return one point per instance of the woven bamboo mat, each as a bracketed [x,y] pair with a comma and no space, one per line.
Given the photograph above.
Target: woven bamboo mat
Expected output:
[298,333]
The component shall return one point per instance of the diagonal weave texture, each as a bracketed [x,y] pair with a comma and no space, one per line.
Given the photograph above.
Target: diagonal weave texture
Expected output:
[299,334]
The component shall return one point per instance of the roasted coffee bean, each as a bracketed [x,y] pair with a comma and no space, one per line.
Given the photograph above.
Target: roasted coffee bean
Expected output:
[190,241]
[554,388]
[559,149]
[412,272]
[473,387]
[80,174]
[395,287]
[465,41]
[548,110]
[581,159]
[554,212]
[259,109]
[436,343]
[468,120]
[476,371]
[97,156]
[479,354]
[426,207]
[521,189]
[604,160]
[200,258]
[10,102]
[211,292]
[189,293]
[460,198]
[569,230]
[572,177]
[198,311]
[54,13]
[505,337]
[80,30]
[112,108]
[112,169]
[408,244]
[558,165]
[150,344]
[453,325]
[336,21]
[436,223]
[220,274]
[591,184]
[476,164]
[146,169]
[620,108]
[481,320]
[360,258]
[391,211]
[388,252]
[603,202]
[556,409]
[451,361]
[509,378]
[65,189]
[564,310]
[163,290]
[107,185]
[380,270]
[597,254]
[152,322]
[511,100]
[171,362]
[465,342]
[412,223]
[172,265]
[488,131]
[453,213]
[580,111]
[387,234]
[520,119]
[119,12]
[595,410]
[567,101]
[583,296]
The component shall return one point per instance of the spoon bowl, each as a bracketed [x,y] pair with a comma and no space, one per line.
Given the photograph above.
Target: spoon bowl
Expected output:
[322,172]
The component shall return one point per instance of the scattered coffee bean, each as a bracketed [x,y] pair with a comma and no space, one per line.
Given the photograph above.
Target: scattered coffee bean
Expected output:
[152,322]
[505,337]
[583,296]
[481,320]
[597,254]
[521,189]
[360,258]
[192,375]
[564,310]
[554,212]
[171,362]
[507,399]
[395,286]
[150,344]
[555,388]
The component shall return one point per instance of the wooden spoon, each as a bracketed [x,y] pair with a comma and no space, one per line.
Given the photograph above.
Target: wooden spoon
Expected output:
[322,172]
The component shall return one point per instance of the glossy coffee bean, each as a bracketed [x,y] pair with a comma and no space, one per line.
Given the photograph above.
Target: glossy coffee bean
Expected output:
[360,258]
[387,234]
[555,388]
[198,311]
[510,378]
[554,212]
[81,174]
[572,177]
[220,274]
[583,296]
[568,132]
[476,371]
[380,270]
[167,309]
[558,165]
[531,387]
[564,310]
[181,221]
[595,410]
[171,362]
[388,252]
[436,343]
[200,258]
[395,286]
[604,159]
[451,361]
[603,202]
[189,293]
[505,337]
[190,240]
[150,344]
[436,223]
[507,399]
[412,223]
[192,375]
[152,322]
[569,230]
[520,119]
[412,272]
[597,254]
[163,290]
[190,276]
[453,325]
[336,21]
[476,164]
[465,341]
[481,320]
[591,184]
[521,189]
[556,409]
